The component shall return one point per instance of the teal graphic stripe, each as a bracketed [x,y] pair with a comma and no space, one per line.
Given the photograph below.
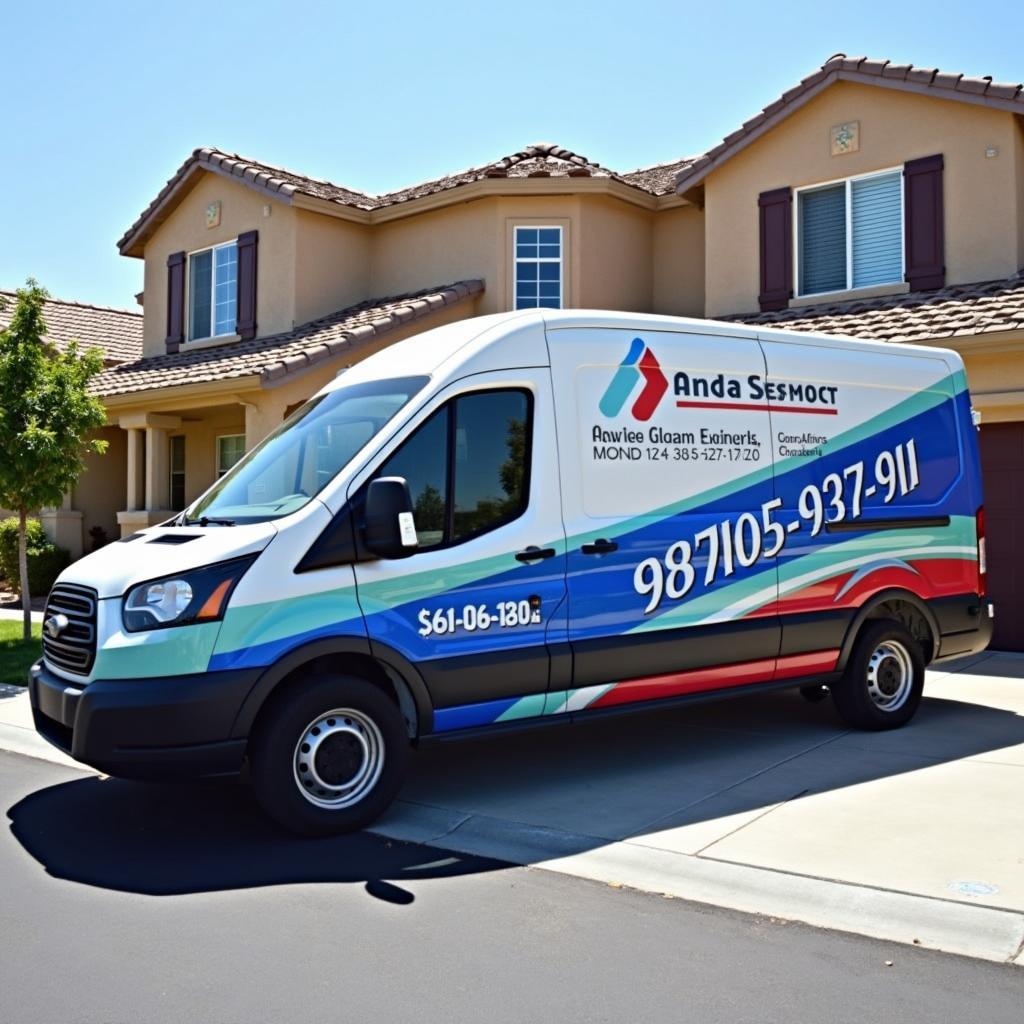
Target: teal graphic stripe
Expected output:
[180,651]
[252,624]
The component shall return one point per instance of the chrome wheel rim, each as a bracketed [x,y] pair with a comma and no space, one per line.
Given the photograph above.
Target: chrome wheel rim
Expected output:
[890,675]
[338,759]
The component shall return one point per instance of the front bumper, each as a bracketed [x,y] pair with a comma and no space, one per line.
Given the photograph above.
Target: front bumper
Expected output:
[171,727]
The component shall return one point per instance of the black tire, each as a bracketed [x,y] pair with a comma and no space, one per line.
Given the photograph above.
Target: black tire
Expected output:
[886,667]
[360,746]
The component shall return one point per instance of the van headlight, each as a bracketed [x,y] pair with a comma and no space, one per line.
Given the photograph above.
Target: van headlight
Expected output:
[200,595]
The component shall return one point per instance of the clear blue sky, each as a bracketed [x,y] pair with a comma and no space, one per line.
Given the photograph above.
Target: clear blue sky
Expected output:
[103,101]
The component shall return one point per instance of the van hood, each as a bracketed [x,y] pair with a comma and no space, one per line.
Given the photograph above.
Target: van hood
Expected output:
[164,551]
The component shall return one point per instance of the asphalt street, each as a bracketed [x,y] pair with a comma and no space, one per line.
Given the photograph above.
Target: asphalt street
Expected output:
[125,902]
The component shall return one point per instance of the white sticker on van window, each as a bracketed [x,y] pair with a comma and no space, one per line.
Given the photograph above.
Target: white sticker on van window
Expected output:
[407,529]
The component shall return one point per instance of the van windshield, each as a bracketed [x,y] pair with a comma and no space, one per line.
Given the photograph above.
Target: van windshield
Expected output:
[294,463]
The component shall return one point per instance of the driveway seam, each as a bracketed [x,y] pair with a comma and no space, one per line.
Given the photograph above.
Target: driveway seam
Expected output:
[746,824]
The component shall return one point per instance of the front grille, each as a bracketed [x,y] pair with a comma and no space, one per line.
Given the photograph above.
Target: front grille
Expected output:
[74,650]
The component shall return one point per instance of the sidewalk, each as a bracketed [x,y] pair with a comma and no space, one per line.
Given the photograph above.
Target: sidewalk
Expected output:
[764,804]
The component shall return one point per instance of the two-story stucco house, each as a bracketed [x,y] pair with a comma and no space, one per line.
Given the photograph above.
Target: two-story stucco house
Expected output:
[876,200]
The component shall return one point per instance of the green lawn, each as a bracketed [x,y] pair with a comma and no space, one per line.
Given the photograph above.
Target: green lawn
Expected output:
[16,654]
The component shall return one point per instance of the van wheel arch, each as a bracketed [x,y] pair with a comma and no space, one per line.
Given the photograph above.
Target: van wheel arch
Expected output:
[379,665]
[901,606]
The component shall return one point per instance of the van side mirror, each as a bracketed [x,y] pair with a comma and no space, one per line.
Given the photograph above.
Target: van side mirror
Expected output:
[389,530]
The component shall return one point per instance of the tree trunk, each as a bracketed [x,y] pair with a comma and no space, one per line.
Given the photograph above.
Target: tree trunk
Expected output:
[26,597]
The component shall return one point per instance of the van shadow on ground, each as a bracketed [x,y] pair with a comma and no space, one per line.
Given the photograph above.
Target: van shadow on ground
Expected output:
[685,769]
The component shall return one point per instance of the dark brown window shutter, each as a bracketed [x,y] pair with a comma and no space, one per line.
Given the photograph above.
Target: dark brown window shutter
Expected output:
[923,228]
[776,215]
[245,325]
[175,301]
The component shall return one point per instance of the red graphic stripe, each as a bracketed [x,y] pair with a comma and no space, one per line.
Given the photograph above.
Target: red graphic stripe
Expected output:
[654,389]
[757,408]
[719,677]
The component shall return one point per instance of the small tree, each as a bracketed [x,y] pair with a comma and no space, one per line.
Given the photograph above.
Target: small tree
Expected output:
[46,413]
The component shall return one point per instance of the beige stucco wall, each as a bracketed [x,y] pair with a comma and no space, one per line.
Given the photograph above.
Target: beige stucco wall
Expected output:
[100,491]
[995,376]
[242,209]
[1018,146]
[452,244]
[613,251]
[982,233]
[332,265]
[607,249]
[677,264]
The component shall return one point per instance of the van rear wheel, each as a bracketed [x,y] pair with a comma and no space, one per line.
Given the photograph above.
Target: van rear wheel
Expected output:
[884,678]
[329,756]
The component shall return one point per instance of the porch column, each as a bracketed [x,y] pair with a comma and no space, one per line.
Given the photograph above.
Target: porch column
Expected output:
[148,470]
[136,469]
[158,484]
[63,526]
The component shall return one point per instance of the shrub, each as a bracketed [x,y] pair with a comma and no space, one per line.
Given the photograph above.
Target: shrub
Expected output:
[45,560]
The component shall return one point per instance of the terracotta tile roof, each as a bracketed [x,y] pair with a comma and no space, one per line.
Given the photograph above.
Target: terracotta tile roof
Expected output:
[275,357]
[928,81]
[117,332]
[951,312]
[541,160]
[659,180]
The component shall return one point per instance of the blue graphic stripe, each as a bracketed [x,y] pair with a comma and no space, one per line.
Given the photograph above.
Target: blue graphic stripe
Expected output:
[623,381]
[465,716]
[267,653]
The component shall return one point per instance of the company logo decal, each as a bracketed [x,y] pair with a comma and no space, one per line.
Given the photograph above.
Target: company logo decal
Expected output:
[640,364]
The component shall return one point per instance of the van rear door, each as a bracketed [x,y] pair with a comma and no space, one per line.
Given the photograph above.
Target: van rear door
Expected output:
[668,505]
[876,491]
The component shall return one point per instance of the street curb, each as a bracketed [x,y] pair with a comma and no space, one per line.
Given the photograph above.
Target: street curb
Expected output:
[15,740]
[946,925]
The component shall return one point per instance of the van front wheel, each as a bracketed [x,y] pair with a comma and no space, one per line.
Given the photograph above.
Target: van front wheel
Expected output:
[884,678]
[329,756]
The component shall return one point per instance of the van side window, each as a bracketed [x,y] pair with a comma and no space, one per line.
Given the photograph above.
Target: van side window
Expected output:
[423,461]
[467,466]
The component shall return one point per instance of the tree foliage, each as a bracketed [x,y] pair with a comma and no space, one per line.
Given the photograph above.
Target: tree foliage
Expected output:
[46,415]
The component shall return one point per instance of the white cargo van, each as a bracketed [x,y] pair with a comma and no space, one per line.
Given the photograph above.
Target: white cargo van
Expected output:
[529,518]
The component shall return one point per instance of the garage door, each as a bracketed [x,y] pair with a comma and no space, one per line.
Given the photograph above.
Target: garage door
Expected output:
[1002,466]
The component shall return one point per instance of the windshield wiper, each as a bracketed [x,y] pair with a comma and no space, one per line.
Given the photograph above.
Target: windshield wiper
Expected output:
[206,521]
[183,520]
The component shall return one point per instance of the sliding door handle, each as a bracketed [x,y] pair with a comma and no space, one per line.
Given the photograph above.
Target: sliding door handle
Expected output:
[535,554]
[600,547]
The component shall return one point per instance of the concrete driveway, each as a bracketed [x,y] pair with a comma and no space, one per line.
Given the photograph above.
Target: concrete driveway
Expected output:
[762,803]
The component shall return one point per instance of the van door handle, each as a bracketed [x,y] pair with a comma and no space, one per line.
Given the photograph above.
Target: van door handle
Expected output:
[535,554]
[600,547]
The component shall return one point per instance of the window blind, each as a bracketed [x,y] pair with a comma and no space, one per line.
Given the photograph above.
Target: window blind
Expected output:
[877,230]
[823,240]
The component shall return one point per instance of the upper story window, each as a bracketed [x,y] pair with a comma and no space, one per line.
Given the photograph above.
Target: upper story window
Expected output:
[213,291]
[850,233]
[538,267]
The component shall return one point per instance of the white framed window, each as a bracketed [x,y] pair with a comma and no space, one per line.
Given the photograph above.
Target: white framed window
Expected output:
[177,469]
[213,291]
[538,266]
[230,448]
[849,233]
